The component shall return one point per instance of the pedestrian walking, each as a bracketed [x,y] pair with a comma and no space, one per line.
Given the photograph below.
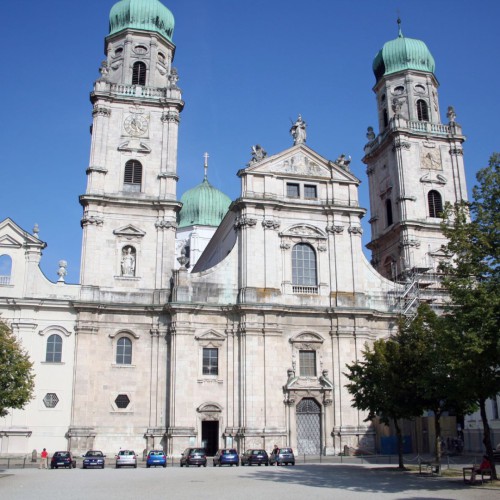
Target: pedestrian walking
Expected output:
[44,459]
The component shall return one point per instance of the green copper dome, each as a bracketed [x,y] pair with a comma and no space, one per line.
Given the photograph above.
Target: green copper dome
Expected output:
[403,54]
[147,15]
[204,205]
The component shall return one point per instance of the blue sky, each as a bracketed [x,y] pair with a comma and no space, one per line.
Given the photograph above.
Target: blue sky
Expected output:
[246,69]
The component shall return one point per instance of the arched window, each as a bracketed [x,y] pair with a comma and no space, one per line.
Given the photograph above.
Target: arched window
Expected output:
[388,211]
[132,179]
[5,269]
[139,73]
[435,204]
[124,351]
[304,275]
[422,111]
[54,349]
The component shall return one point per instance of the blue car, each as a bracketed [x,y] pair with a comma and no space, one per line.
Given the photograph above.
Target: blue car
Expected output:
[156,458]
[93,458]
[226,457]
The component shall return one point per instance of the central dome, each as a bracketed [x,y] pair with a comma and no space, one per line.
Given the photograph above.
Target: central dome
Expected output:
[403,54]
[146,15]
[203,205]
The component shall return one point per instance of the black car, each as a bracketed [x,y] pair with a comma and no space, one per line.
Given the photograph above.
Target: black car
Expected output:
[93,458]
[194,456]
[282,456]
[258,457]
[62,459]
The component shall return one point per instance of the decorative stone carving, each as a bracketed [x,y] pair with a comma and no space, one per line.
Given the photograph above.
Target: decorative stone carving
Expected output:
[104,70]
[305,231]
[173,78]
[355,230]
[398,144]
[406,198]
[101,111]
[95,168]
[335,229]
[165,224]
[298,131]
[244,222]
[271,224]
[408,242]
[92,220]
[258,154]
[325,381]
[285,246]
[430,161]
[62,272]
[321,248]
[456,151]
[397,104]
[370,170]
[171,116]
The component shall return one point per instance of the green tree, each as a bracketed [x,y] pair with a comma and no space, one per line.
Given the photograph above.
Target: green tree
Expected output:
[16,373]
[379,387]
[472,277]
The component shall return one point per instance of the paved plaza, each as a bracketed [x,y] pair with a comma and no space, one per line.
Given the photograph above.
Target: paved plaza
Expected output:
[313,481]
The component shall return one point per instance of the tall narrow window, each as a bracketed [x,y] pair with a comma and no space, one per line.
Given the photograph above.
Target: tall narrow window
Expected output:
[422,111]
[388,211]
[5,269]
[124,351]
[386,118]
[54,349]
[292,190]
[210,361]
[132,179]
[435,204]
[307,362]
[304,266]
[139,73]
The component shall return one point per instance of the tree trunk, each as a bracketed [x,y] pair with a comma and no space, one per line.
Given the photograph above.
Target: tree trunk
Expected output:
[487,436]
[399,436]
[437,427]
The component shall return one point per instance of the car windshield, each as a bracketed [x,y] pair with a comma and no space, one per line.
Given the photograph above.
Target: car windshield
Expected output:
[126,452]
[286,450]
[258,452]
[228,452]
[62,454]
[198,450]
[156,453]
[94,453]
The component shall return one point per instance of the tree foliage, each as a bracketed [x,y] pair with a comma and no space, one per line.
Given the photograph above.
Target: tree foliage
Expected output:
[17,379]
[472,277]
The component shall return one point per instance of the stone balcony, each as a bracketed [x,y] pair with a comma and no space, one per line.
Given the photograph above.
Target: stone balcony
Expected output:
[102,87]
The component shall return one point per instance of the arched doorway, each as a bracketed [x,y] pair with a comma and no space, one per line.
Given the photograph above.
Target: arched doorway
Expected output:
[308,427]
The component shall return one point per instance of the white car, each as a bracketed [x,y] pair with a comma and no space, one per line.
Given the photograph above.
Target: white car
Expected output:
[126,458]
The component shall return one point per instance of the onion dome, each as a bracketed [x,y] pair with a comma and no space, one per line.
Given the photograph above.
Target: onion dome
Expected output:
[402,54]
[146,15]
[204,205]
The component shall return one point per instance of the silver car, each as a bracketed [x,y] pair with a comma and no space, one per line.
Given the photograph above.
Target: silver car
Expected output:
[126,458]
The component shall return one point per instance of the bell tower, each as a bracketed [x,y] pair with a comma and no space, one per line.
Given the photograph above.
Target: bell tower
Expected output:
[414,164]
[130,205]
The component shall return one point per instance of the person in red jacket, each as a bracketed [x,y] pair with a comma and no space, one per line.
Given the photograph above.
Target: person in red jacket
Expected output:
[484,465]
[44,456]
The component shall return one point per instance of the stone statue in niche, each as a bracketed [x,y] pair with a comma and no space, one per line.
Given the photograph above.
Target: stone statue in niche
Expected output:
[128,261]
[298,131]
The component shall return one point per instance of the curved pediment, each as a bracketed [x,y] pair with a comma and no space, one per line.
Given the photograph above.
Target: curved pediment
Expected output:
[209,407]
[307,338]
[54,329]
[304,231]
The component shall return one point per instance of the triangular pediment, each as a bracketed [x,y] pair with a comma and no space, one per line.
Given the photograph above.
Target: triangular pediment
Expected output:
[129,231]
[13,236]
[301,161]
[211,335]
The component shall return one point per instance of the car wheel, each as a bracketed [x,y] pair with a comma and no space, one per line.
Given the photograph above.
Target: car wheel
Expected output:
[181,464]
[117,466]
[267,463]
[135,466]
[148,466]
[102,467]
[237,465]
[164,465]
[205,464]
[83,467]
[260,465]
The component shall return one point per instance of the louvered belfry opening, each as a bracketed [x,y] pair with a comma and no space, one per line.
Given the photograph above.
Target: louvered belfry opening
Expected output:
[133,175]
[139,73]
[435,204]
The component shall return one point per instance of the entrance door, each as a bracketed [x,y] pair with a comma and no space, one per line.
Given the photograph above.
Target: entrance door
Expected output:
[308,427]
[210,436]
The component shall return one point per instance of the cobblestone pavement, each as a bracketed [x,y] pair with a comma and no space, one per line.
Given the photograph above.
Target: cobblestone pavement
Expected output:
[314,481]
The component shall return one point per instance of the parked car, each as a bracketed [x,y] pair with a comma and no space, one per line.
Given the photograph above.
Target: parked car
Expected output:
[226,457]
[93,458]
[496,454]
[126,458]
[156,458]
[282,456]
[258,457]
[194,456]
[62,459]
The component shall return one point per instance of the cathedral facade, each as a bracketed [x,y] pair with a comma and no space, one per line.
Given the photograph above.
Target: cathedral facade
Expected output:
[210,322]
